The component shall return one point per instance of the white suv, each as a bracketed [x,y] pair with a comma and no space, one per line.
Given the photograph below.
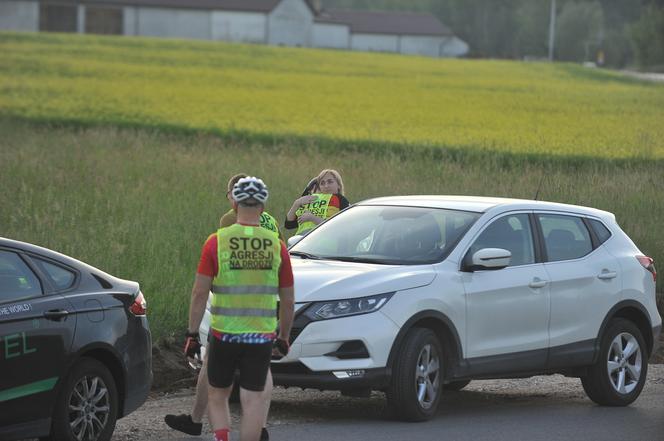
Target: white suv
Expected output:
[413,295]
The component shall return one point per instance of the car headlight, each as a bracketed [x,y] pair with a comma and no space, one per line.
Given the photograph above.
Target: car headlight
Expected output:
[346,307]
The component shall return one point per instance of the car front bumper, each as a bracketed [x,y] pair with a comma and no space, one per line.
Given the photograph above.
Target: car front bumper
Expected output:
[296,375]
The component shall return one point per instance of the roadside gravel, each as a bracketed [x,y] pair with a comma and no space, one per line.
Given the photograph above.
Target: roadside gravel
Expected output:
[295,406]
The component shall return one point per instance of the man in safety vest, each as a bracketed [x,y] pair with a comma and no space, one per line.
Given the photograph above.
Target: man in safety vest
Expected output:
[252,270]
[192,424]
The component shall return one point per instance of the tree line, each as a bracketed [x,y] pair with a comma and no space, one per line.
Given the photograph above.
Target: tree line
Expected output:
[616,33]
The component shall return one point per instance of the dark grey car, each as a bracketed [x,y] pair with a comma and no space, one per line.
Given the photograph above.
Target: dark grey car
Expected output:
[75,346]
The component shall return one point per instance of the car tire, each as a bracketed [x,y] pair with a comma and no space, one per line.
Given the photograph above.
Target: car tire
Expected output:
[455,386]
[618,376]
[89,398]
[417,377]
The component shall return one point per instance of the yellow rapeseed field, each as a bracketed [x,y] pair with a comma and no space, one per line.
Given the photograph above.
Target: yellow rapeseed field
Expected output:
[534,108]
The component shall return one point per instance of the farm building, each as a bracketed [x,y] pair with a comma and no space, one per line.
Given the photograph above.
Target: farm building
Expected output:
[299,23]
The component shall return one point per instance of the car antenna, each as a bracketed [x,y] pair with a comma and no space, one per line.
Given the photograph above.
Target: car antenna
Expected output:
[539,187]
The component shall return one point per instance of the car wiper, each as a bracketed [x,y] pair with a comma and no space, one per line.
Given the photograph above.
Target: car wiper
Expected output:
[304,255]
[363,260]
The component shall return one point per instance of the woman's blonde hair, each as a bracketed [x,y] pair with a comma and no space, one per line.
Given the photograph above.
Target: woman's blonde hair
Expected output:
[336,175]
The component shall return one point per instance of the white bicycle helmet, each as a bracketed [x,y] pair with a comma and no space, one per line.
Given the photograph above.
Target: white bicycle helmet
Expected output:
[248,189]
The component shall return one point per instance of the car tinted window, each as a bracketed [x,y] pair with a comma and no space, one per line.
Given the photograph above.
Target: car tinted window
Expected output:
[388,235]
[510,233]
[17,281]
[601,231]
[565,237]
[60,277]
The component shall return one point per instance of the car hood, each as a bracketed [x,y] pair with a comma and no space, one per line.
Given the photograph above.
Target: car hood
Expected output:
[317,280]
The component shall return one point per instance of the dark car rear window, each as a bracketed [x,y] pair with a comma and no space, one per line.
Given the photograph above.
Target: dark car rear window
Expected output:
[601,231]
[60,277]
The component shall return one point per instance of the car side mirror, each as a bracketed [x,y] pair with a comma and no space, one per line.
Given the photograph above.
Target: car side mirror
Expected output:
[293,240]
[488,259]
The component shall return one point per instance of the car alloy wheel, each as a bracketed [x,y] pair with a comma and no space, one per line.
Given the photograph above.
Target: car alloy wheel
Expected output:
[417,376]
[87,404]
[427,376]
[624,363]
[618,375]
[89,408]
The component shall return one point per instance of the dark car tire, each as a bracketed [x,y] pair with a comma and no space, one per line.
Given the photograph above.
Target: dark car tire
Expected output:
[100,401]
[455,386]
[408,377]
[602,387]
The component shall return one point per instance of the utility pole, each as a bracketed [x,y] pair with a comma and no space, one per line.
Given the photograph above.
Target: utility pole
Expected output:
[552,29]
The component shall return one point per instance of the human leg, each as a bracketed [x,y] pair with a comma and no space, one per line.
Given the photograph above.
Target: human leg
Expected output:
[201,397]
[192,424]
[220,417]
[267,398]
[222,360]
[253,414]
[255,391]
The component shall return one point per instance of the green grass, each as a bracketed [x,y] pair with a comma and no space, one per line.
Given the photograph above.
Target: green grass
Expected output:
[270,94]
[117,151]
[140,203]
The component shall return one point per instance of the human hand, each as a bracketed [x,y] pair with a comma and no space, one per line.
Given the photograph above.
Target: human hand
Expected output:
[280,347]
[305,200]
[306,216]
[192,345]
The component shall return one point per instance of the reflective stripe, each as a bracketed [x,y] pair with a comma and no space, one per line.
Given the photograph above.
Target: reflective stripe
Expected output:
[245,289]
[28,389]
[243,312]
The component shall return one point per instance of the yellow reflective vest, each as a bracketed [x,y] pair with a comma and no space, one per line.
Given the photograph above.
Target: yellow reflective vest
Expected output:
[319,207]
[246,287]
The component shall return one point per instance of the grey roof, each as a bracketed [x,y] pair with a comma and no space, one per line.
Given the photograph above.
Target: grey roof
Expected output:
[384,22]
[226,5]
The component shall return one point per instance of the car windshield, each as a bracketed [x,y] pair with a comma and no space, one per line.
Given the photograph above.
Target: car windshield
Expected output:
[391,235]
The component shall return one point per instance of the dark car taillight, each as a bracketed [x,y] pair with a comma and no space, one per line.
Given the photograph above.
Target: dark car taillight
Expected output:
[140,306]
[649,264]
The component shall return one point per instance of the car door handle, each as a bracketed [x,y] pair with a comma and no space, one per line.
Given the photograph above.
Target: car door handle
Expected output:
[56,314]
[606,275]
[538,283]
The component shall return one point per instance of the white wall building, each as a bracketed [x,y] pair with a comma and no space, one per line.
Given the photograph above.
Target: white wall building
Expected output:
[277,22]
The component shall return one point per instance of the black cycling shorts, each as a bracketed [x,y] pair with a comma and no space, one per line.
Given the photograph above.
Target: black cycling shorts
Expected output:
[251,360]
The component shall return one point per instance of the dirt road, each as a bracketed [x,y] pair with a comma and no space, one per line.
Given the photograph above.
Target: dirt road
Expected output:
[294,408]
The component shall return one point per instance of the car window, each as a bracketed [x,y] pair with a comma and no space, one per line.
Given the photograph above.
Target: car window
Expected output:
[60,277]
[388,235]
[512,233]
[17,281]
[601,231]
[565,237]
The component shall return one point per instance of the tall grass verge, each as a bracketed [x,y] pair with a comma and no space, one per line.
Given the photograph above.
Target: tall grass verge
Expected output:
[140,203]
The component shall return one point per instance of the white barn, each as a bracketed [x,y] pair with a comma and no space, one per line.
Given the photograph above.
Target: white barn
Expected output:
[295,23]
[403,32]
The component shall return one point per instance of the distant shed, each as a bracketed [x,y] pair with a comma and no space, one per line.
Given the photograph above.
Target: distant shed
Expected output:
[300,23]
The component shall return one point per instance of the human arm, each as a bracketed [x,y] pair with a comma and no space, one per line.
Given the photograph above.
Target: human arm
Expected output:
[307,216]
[286,311]
[291,215]
[286,295]
[199,296]
[205,273]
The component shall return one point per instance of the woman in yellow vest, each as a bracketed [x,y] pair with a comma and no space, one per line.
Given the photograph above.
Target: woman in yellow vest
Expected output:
[326,200]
